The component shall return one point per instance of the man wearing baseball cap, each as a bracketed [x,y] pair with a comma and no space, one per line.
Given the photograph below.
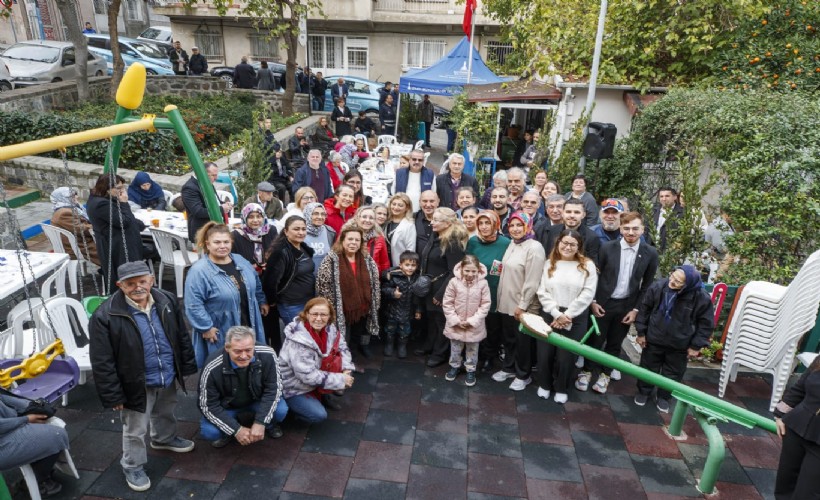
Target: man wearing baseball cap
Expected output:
[265,198]
[609,228]
[198,65]
[139,347]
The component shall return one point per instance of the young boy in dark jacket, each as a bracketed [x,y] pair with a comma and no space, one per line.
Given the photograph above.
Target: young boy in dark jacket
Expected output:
[675,321]
[402,306]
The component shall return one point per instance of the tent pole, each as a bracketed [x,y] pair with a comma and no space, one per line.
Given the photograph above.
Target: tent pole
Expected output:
[470,55]
[398,115]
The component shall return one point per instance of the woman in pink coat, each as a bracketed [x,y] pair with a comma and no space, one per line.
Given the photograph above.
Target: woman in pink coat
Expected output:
[466,303]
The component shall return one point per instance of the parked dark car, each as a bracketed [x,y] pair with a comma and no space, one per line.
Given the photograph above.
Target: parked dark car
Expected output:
[226,72]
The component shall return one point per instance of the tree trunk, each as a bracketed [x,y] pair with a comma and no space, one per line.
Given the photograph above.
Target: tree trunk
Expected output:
[113,14]
[291,36]
[71,19]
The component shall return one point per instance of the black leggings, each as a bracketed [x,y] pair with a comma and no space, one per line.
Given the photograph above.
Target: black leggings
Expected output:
[555,366]
[797,473]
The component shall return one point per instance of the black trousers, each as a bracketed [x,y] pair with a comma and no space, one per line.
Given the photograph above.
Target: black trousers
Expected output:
[556,366]
[273,332]
[613,333]
[670,363]
[357,332]
[489,347]
[436,342]
[428,126]
[509,337]
[798,474]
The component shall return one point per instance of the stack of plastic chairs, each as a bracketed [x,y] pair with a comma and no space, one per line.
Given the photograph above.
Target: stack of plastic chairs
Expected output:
[768,324]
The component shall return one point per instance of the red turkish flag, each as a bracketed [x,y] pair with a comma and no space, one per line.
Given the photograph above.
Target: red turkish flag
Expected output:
[469,7]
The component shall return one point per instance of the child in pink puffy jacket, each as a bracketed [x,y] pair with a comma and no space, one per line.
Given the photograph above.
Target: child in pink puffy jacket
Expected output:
[466,304]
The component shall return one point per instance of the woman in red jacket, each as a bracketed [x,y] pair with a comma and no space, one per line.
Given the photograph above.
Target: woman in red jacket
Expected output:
[340,207]
[373,237]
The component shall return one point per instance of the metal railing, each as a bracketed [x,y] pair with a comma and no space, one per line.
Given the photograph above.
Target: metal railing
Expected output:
[425,6]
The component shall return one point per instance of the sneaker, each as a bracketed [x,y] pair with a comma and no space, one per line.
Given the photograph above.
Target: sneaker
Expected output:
[543,393]
[663,405]
[582,384]
[177,444]
[222,442]
[470,380]
[615,375]
[275,432]
[137,479]
[579,363]
[520,385]
[451,374]
[501,376]
[641,399]
[49,487]
[561,397]
[601,385]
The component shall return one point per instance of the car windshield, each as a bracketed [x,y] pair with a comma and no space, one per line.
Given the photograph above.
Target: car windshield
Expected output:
[27,52]
[148,50]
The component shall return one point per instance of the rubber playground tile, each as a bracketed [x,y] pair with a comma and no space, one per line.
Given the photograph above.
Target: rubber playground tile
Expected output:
[443,417]
[550,461]
[438,390]
[364,383]
[369,489]
[279,456]
[649,440]
[401,372]
[440,449]
[604,450]
[496,475]
[541,489]
[390,427]
[758,452]
[665,475]
[182,489]
[382,461]
[605,483]
[492,408]
[317,474]
[203,464]
[625,410]
[730,470]
[96,450]
[732,490]
[111,483]
[495,439]
[763,479]
[396,398]
[354,407]
[474,495]
[335,437]
[591,418]
[430,483]
[244,481]
[548,428]
[527,401]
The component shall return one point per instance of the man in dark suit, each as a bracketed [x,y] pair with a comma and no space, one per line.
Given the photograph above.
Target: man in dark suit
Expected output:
[449,182]
[627,267]
[194,202]
[665,214]
[244,76]
[574,214]
[339,89]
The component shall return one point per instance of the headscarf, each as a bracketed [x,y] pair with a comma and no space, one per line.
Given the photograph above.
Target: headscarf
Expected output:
[347,151]
[494,220]
[312,229]
[669,297]
[63,197]
[527,221]
[140,197]
[255,235]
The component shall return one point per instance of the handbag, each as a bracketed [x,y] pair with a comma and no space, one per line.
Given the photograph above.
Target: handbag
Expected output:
[421,287]
[37,406]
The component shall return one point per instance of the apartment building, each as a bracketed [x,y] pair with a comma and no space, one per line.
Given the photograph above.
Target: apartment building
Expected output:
[373,39]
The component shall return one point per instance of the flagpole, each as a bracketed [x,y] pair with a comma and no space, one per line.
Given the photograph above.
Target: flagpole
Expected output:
[472,37]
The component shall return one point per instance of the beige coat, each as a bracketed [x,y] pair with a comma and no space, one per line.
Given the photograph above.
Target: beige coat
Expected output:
[468,302]
[64,218]
[522,267]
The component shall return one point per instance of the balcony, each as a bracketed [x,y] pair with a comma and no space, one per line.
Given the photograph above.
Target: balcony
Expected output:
[419,6]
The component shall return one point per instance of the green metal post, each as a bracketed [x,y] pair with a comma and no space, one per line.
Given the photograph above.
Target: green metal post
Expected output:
[4,490]
[593,328]
[717,452]
[678,417]
[188,144]
[680,391]
[116,141]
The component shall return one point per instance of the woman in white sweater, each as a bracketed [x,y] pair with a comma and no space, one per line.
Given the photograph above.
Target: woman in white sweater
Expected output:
[399,229]
[521,269]
[566,291]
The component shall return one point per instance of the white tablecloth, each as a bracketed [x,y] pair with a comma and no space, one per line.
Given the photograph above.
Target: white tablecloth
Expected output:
[11,279]
[376,183]
[171,221]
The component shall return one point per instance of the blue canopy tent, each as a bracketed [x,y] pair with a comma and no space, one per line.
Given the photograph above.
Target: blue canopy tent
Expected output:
[448,76]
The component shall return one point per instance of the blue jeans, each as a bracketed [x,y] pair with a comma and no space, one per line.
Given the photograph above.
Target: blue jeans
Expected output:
[289,311]
[307,408]
[318,103]
[210,432]
[393,327]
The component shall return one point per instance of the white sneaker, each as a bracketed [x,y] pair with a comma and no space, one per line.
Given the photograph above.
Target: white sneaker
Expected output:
[561,397]
[582,384]
[543,393]
[579,363]
[615,375]
[520,385]
[501,376]
[601,385]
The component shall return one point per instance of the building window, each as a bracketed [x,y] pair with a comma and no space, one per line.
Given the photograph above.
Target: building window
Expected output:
[133,10]
[209,43]
[262,48]
[100,7]
[422,52]
[325,51]
[498,52]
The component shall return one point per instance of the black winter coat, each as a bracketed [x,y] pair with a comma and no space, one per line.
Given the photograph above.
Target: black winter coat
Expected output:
[404,308]
[439,264]
[690,326]
[116,349]
[280,270]
[344,126]
[244,76]
[194,203]
[198,64]
[110,230]
[800,407]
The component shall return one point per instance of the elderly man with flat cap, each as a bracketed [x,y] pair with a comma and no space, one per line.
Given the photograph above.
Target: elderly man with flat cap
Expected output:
[139,347]
[269,202]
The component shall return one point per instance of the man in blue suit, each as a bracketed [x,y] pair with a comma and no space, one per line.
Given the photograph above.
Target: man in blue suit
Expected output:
[339,89]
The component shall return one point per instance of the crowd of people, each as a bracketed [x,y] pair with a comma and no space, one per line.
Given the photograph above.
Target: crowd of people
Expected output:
[276,311]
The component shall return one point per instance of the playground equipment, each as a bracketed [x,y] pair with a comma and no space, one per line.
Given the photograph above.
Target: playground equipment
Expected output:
[708,410]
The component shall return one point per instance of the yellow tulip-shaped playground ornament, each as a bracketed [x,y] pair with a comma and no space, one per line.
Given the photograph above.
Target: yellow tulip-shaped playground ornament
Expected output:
[132,87]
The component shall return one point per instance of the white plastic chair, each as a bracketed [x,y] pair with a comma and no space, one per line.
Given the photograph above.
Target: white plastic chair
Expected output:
[168,196]
[56,280]
[76,265]
[67,467]
[28,340]
[362,137]
[224,196]
[171,200]
[178,258]
[387,140]
[60,310]
[419,145]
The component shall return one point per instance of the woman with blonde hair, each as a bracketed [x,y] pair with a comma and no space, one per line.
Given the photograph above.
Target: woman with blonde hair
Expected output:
[373,238]
[444,250]
[222,290]
[303,196]
[400,230]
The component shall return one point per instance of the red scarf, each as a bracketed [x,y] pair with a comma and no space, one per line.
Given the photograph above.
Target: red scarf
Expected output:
[319,337]
[332,363]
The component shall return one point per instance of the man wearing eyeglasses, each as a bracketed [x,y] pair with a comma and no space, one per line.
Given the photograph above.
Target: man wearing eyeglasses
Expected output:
[530,203]
[627,268]
[415,179]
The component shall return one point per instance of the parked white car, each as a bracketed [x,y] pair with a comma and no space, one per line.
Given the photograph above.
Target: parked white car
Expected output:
[35,62]
[5,78]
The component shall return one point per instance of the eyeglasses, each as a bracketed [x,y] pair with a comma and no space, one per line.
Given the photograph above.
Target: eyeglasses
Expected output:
[568,244]
[416,159]
[529,202]
[308,197]
[319,315]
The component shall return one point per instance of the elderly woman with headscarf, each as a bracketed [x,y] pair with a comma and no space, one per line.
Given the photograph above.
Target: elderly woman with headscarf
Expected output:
[348,152]
[145,193]
[320,236]
[336,169]
[70,215]
[254,236]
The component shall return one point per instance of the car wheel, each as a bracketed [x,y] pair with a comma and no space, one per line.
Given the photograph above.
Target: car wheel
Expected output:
[151,72]
[5,87]
[228,80]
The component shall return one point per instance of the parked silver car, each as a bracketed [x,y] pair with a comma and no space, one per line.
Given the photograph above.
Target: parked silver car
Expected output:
[42,61]
[5,78]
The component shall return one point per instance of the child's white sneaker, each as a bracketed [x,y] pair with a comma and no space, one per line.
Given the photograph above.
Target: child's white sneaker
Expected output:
[501,376]
[615,375]
[519,384]
[601,385]
[561,397]
[582,384]
[543,393]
